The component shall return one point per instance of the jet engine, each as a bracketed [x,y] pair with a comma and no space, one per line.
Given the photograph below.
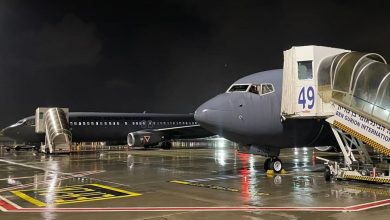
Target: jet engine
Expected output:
[144,139]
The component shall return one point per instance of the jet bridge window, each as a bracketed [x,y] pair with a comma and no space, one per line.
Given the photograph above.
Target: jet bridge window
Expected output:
[305,70]
[238,88]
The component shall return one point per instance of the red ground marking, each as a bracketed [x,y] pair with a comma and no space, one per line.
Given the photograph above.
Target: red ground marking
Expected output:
[11,208]
[7,206]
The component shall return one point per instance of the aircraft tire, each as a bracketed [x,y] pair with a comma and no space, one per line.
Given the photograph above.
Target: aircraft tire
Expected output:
[166,145]
[267,164]
[327,173]
[276,165]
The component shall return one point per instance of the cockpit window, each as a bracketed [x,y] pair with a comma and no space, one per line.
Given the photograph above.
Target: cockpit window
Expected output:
[30,122]
[254,89]
[261,89]
[238,88]
[266,88]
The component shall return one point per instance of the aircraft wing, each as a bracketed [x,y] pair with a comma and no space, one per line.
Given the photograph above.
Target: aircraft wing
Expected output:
[190,131]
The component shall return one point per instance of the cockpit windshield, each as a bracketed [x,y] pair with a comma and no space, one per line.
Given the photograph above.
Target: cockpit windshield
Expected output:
[238,88]
[261,89]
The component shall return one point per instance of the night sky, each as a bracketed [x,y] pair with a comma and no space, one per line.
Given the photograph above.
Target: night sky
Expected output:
[164,56]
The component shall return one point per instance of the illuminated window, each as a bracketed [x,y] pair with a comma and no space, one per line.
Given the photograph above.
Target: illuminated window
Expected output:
[305,69]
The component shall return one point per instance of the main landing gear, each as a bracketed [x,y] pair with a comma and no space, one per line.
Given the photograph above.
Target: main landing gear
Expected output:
[166,145]
[274,164]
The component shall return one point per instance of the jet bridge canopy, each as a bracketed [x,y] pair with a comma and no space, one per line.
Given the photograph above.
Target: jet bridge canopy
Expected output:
[360,81]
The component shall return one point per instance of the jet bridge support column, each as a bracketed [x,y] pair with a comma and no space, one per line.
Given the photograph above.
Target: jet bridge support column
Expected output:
[54,123]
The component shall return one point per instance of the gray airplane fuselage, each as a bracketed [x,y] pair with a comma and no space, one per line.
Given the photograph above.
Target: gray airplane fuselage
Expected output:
[254,119]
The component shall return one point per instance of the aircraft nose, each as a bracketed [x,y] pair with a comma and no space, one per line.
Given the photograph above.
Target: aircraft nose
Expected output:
[5,132]
[213,114]
[9,132]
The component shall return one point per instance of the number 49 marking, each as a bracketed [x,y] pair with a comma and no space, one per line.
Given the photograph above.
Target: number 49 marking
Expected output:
[310,97]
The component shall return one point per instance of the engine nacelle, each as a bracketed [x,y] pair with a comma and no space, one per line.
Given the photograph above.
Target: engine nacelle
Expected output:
[143,138]
[326,149]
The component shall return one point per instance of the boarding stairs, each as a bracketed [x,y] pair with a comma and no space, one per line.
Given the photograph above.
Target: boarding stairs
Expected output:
[360,92]
[58,138]
[354,98]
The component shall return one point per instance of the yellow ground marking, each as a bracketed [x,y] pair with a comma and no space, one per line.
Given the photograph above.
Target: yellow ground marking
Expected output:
[179,182]
[79,193]
[115,189]
[29,198]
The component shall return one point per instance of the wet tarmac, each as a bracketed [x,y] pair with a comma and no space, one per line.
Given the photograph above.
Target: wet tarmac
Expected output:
[216,183]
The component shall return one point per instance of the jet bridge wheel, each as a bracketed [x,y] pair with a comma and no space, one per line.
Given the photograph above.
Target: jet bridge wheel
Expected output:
[327,173]
[274,164]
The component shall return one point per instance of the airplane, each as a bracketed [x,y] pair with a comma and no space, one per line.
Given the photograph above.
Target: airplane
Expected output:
[117,129]
[248,113]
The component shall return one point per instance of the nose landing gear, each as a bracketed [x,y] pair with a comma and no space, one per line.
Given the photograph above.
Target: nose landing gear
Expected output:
[274,164]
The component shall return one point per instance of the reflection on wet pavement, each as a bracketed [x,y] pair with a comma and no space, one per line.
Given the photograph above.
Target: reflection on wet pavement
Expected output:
[212,177]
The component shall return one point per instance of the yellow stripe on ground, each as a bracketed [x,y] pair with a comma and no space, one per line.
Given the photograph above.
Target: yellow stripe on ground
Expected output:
[29,198]
[180,182]
[115,189]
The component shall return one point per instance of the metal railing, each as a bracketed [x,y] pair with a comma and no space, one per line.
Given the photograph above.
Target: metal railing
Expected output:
[58,135]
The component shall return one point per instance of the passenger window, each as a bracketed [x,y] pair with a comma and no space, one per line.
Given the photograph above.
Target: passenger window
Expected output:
[305,69]
[88,123]
[71,123]
[92,123]
[105,123]
[83,123]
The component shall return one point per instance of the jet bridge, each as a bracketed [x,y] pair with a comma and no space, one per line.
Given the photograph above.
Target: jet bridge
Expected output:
[351,90]
[54,123]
